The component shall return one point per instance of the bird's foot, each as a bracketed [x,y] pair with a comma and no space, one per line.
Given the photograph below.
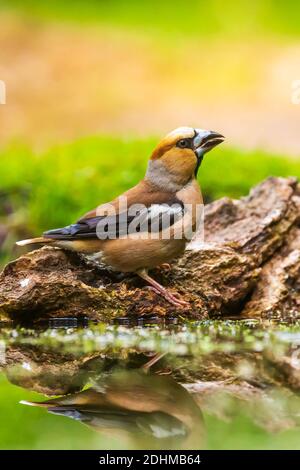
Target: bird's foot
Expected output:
[165,266]
[169,297]
[175,300]
[161,290]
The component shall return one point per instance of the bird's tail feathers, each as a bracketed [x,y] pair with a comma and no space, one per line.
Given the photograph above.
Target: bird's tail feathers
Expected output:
[33,241]
[35,403]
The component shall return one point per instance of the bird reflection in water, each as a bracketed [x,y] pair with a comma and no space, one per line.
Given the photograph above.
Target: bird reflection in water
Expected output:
[156,410]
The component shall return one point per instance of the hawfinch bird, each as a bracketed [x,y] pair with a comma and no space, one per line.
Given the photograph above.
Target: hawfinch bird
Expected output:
[149,224]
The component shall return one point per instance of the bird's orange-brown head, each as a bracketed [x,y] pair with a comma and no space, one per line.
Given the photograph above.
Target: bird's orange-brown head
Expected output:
[180,153]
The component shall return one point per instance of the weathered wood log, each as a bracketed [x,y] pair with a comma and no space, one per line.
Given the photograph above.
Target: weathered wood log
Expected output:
[277,294]
[249,266]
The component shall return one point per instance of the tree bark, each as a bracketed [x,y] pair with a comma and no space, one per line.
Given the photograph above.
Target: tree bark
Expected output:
[248,266]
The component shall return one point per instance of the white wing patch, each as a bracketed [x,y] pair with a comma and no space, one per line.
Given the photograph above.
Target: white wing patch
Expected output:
[157,217]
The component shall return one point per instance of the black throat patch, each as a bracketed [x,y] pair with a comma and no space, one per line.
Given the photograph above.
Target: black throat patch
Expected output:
[199,161]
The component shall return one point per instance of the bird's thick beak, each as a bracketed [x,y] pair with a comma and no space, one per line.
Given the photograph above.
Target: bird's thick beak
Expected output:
[204,141]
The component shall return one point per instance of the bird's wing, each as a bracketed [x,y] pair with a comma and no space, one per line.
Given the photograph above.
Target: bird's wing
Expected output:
[143,193]
[137,218]
[157,424]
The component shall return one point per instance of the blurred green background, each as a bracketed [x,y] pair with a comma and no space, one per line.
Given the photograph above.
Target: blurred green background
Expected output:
[91,87]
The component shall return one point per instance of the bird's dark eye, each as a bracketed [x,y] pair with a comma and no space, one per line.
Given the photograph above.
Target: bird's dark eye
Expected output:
[183,143]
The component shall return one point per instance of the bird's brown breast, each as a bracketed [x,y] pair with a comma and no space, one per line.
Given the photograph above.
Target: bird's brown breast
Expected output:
[131,254]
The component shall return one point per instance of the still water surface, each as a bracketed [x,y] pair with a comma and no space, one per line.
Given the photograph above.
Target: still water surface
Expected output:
[212,384]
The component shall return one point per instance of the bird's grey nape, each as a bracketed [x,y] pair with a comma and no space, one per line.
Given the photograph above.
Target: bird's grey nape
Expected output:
[159,175]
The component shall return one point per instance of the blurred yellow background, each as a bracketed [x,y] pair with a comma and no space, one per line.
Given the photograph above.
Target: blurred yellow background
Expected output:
[139,68]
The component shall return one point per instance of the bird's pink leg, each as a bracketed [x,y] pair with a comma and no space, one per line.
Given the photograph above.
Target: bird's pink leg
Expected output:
[157,357]
[159,289]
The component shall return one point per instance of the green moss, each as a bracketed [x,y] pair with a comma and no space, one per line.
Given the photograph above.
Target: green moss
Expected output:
[194,338]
